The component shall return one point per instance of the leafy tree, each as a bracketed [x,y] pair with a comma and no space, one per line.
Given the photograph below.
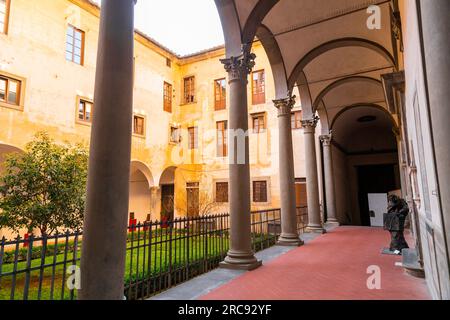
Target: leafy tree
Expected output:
[44,188]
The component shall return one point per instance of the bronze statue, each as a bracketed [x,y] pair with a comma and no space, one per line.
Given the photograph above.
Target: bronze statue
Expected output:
[394,222]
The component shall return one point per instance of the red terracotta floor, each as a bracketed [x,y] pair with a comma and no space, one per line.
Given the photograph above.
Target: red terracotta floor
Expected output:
[331,267]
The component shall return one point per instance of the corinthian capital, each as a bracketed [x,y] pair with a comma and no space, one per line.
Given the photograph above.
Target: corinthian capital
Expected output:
[326,139]
[239,67]
[285,105]
[310,123]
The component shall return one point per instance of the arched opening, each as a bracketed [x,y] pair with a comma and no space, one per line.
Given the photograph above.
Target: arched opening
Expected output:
[365,161]
[5,150]
[140,201]
[167,188]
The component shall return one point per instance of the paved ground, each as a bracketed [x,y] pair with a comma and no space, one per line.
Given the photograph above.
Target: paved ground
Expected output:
[332,266]
[202,285]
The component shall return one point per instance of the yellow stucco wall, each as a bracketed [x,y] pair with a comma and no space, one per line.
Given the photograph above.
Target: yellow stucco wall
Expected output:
[34,50]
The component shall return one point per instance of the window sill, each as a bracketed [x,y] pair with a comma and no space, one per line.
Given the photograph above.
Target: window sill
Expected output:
[11,106]
[188,103]
[83,123]
[139,136]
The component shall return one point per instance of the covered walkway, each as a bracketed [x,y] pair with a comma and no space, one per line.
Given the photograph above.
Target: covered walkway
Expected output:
[333,266]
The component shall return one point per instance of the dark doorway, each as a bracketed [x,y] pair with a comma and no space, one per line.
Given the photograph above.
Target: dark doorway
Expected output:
[374,179]
[167,201]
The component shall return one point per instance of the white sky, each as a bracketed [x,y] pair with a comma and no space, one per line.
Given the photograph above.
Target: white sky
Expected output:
[184,26]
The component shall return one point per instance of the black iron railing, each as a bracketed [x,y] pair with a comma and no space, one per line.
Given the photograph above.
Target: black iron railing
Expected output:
[159,255]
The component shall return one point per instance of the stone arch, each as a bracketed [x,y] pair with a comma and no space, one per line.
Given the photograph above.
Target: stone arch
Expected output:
[145,171]
[275,57]
[323,118]
[231,26]
[334,44]
[253,23]
[6,149]
[340,82]
[140,192]
[361,105]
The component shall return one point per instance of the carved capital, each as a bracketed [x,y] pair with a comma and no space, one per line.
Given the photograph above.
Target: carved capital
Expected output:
[326,139]
[239,67]
[310,123]
[285,105]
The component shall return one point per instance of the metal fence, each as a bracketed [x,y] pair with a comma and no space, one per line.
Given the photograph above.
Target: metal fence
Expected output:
[159,255]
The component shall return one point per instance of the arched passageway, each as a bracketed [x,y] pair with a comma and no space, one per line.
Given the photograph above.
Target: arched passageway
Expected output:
[167,191]
[365,163]
[141,203]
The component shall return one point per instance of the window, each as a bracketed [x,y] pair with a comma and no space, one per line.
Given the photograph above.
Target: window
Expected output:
[85,108]
[193,199]
[167,97]
[75,45]
[259,124]
[300,192]
[10,91]
[189,90]
[168,63]
[193,138]
[139,125]
[222,145]
[175,134]
[296,120]
[222,192]
[259,87]
[259,191]
[220,92]
[4,15]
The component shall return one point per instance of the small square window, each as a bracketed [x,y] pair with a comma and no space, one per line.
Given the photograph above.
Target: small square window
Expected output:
[222,192]
[175,136]
[259,123]
[85,108]
[10,90]
[139,125]
[260,191]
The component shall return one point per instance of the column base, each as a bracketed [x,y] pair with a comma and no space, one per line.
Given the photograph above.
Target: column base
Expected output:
[333,222]
[315,229]
[240,261]
[290,241]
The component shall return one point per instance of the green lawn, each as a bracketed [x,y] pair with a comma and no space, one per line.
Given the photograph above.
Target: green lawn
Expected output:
[144,260]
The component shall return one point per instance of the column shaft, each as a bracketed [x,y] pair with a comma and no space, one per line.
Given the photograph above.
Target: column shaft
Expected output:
[436,26]
[312,181]
[240,255]
[289,233]
[105,223]
[329,179]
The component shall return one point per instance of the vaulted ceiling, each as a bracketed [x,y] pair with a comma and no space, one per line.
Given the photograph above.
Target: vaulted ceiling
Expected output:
[323,47]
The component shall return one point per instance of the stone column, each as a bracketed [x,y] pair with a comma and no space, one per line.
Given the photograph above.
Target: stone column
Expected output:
[105,223]
[436,47]
[240,256]
[289,234]
[329,179]
[312,181]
